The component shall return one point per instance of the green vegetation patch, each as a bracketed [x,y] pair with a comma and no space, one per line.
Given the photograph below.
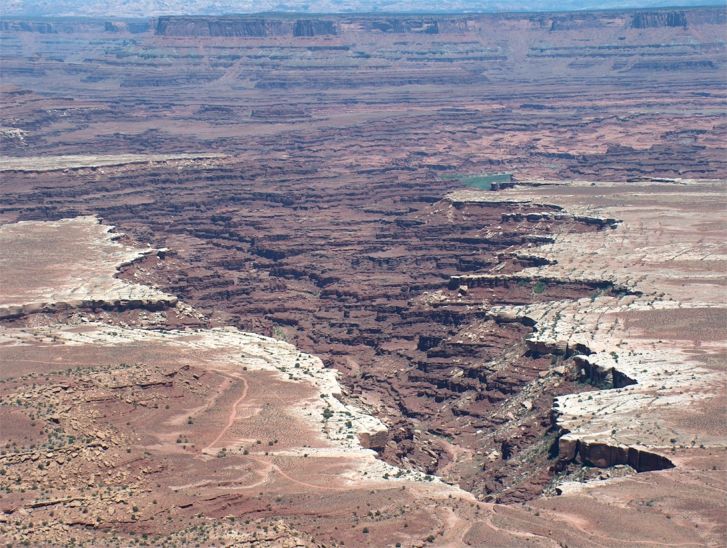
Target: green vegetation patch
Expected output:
[539,287]
[482,181]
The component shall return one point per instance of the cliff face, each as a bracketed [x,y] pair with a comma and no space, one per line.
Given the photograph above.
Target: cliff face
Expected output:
[27,26]
[243,27]
[313,27]
[217,26]
[331,25]
[73,25]
[250,26]
[645,20]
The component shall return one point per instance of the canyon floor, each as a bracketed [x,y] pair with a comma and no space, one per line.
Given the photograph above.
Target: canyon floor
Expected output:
[249,297]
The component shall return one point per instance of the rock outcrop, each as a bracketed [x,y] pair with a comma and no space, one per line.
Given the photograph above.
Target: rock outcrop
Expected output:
[646,374]
[58,276]
[313,27]
[655,19]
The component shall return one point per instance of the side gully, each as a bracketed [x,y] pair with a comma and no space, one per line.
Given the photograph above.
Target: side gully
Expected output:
[604,377]
[570,447]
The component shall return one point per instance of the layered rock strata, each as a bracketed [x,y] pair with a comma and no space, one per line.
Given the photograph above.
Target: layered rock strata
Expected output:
[654,348]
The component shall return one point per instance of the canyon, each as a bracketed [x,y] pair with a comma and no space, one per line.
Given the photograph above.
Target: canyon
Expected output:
[243,277]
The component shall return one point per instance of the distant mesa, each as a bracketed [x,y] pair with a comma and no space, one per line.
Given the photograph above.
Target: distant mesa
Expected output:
[240,26]
[645,20]
[312,27]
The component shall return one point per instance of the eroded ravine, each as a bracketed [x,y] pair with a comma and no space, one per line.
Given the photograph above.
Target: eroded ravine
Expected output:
[380,300]
[531,319]
[397,298]
[296,179]
[640,377]
[381,303]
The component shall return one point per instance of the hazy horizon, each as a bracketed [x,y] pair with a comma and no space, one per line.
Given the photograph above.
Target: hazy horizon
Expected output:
[126,8]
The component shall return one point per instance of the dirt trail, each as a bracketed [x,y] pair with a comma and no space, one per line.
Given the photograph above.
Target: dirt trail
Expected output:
[231,417]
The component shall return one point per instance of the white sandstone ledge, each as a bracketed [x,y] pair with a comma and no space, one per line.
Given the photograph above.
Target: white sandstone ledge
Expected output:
[50,266]
[649,384]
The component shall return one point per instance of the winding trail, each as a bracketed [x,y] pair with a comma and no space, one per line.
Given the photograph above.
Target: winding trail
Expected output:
[232,416]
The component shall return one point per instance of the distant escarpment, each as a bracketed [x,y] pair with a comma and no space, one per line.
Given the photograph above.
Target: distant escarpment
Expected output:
[243,27]
[246,26]
[645,20]
[41,27]
[256,26]
[313,27]
[217,26]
